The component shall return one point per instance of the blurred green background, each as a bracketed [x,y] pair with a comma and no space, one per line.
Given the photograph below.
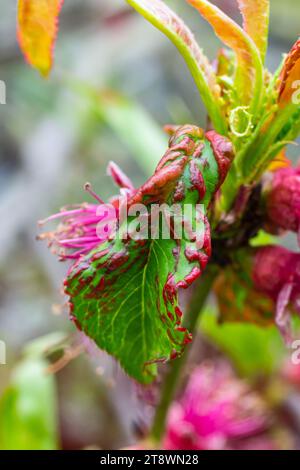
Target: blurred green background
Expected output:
[115,83]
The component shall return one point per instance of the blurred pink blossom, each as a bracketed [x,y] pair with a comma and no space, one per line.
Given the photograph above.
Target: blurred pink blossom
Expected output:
[217,411]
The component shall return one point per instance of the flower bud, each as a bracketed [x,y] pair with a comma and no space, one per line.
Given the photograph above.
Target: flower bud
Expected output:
[276,273]
[283,200]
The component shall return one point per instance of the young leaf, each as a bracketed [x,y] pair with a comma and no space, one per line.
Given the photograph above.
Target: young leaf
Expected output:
[292,129]
[164,19]
[284,124]
[37,31]
[124,294]
[249,73]
[256,22]
[289,80]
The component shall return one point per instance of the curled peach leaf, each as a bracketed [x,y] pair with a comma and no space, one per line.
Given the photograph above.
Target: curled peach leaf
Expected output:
[249,72]
[37,30]
[256,22]
[124,286]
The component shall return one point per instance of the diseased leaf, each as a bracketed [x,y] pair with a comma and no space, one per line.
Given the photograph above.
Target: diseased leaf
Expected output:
[124,294]
[289,80]
[163,18]
[256,22]
[249,73]
[37,31]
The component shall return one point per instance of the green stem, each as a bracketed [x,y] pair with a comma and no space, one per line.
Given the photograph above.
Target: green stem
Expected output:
[200,294]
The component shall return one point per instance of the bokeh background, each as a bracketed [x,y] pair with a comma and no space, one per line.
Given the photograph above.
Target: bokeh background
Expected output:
[115,83]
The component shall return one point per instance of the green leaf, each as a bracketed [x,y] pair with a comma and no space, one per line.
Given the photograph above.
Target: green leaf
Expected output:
[249,72]
[261,151]
[164,19]
[262,239]
[124,294]
[291,130]
[28,409]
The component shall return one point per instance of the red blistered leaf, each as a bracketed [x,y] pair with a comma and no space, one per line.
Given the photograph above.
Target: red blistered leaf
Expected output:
[37,30]
[124,290]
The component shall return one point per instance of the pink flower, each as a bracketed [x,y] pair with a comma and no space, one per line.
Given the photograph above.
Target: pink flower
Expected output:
[276,273]
[283,200]
[85,226]
[217,411]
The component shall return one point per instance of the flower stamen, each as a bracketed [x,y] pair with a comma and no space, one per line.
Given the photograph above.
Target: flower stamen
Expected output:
[88,188]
